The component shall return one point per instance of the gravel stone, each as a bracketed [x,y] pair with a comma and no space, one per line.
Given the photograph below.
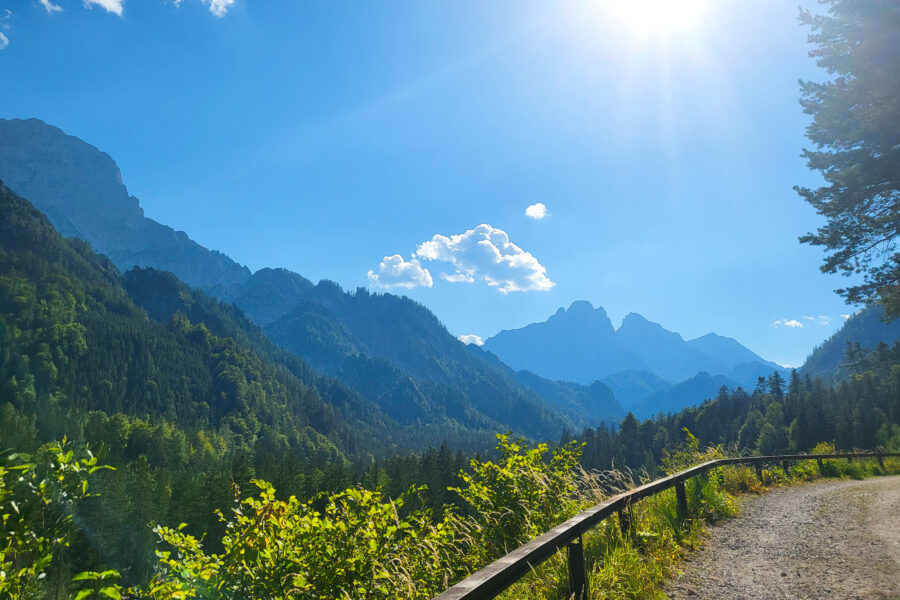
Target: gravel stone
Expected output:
[829,539]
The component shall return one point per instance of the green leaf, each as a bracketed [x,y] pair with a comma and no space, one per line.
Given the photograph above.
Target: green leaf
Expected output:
[111,592]
[82,594]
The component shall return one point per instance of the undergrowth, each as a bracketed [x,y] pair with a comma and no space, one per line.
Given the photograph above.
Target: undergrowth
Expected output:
[634,564]
[361,544]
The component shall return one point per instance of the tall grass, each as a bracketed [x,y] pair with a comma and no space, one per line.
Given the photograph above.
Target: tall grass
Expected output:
[358,544]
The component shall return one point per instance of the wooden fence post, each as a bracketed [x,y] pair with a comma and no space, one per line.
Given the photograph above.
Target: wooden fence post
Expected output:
[759,472]
[820,464]
[578,586]
[786,467]
[681,497]
[881,461]
[625,520]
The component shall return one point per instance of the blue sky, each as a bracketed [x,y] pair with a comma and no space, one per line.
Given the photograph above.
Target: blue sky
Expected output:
[369,142]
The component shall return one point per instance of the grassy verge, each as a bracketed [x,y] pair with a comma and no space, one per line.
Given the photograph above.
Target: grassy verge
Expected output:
[360,544]
[634,563]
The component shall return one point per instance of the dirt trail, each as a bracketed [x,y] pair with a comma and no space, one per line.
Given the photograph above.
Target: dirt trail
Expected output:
[833,539]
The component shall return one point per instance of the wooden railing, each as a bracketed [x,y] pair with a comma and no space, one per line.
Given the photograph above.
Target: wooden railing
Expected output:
[502,573]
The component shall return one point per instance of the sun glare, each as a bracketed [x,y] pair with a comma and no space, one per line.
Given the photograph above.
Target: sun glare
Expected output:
[658,17]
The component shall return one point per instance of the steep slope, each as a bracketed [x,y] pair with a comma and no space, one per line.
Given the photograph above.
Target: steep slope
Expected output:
[729,351]
[397,351]
[866,328]
[584,405]
[691,392]
[630,387]
[80,190]
[391,350]
[746,375]
[578,344]
[664,351]
[268,294]
[64,305]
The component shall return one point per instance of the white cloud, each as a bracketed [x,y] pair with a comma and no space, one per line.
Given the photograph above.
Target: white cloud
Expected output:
[823,320]
[4,41]
[458,278]
[846,316]
[792,323]
[114,6]
[219,8]
[471,338]
[394,271]
[536,211]
[485,253]
[50,7]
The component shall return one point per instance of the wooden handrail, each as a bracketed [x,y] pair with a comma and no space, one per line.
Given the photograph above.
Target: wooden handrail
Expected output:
[502,573]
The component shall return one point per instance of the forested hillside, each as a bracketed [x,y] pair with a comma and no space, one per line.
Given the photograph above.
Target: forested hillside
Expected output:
[186,397]
[863,330]
[861,412]
[180,409]
[388,350]
[190,402]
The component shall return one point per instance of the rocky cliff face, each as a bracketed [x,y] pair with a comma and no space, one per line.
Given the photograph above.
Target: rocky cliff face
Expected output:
[578,344]
[80,190]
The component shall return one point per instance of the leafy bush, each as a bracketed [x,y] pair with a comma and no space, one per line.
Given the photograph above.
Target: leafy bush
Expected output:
[36,501]
[356,547]
[521,496]
[359,545]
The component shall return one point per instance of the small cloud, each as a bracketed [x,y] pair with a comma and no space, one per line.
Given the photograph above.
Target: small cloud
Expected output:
[823,320]
[487,254]
[4,41]
[458,278]
[394,271]
[50,7]
[219,8]
[471,338]
[536,211]
[116,7]
[792,323]
[846,316]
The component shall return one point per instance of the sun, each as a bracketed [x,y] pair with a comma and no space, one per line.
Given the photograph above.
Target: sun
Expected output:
[658,17]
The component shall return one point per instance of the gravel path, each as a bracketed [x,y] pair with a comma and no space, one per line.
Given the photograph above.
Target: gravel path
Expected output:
[833,539]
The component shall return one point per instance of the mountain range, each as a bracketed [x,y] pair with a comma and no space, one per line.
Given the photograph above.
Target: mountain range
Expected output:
[649,368]
[380,354]
[390,351]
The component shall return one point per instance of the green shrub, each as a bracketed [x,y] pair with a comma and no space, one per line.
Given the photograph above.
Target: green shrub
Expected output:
[37,496]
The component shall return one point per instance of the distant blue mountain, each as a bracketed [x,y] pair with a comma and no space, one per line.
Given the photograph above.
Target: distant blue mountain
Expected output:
[630,387]
[687,393]
[747,374]
[394,353]
[581,345]
[578,344]
[664,351]
[729,351]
